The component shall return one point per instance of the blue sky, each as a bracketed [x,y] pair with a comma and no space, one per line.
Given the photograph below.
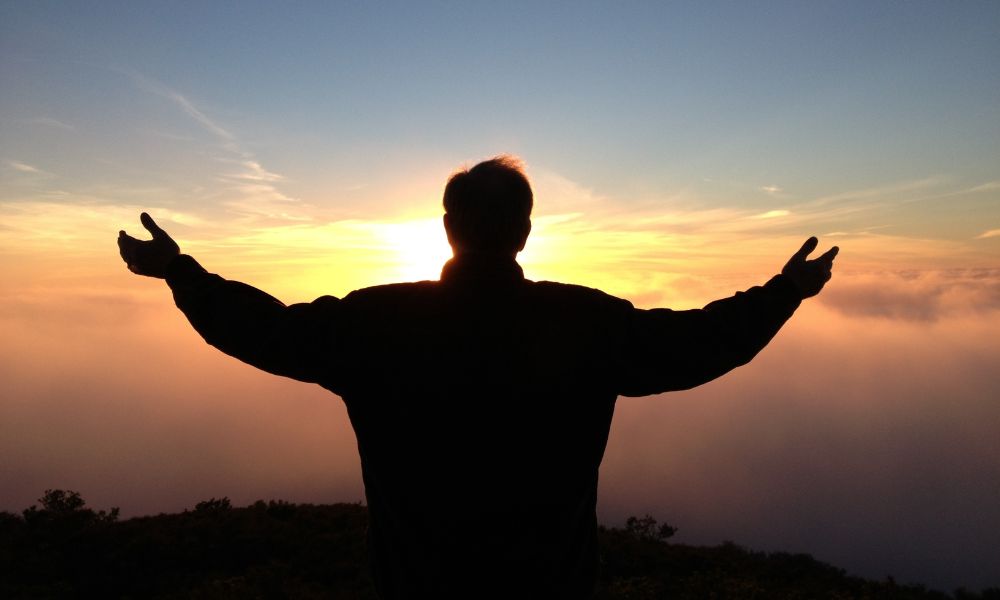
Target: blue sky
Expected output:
[638,103]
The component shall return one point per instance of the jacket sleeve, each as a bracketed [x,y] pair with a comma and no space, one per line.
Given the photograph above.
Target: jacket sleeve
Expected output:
[666,350]
[298,341]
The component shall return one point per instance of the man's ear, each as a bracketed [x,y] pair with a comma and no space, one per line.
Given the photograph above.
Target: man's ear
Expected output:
[524,235]
[446,219]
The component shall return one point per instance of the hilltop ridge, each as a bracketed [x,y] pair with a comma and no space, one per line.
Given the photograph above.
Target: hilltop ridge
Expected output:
[277,549]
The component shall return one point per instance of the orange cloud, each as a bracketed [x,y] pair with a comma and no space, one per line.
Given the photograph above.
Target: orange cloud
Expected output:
[917,295]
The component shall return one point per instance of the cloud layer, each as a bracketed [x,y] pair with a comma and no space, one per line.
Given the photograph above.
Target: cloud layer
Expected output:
[916,296]
[865,436]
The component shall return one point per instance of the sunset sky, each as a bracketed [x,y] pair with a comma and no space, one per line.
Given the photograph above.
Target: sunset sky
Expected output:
[678,153]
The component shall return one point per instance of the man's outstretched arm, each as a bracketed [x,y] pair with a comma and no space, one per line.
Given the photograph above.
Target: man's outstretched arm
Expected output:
[242,321]
[666,350]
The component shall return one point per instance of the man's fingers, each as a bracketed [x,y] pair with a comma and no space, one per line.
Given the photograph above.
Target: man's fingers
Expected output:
[123,239]
[126,239]
[806,249]
[152,227]
[126,246]
[829,255]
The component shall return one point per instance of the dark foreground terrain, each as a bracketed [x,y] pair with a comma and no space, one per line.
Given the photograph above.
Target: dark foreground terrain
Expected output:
[63,549]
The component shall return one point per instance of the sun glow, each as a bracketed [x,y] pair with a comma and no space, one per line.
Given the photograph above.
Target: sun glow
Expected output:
[420,247]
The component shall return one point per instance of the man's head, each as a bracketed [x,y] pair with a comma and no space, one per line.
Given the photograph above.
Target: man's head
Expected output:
[488,208]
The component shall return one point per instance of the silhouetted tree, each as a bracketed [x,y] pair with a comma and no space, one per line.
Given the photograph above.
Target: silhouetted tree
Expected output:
[213,505]
[645,528]
[66,506]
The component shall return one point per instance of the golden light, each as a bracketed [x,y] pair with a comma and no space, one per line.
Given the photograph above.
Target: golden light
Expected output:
[419,247]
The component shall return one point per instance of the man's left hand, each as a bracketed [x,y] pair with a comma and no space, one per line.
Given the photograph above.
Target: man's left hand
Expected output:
[809,276]
[148,257]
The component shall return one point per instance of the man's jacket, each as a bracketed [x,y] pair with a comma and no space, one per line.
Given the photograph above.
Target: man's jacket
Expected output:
[482,404]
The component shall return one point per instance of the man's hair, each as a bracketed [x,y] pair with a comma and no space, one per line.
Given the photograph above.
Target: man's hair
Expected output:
[489,206]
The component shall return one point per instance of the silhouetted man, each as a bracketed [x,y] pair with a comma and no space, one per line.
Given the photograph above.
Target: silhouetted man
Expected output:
[481,402]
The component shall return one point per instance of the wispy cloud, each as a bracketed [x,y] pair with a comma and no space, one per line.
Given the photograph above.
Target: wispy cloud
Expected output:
[988,234]
[844,211]
[989,186]
[170,136]
[50,122]
[253,171]
[881,191]
[770,189]
[24,167]
[251,189]
[158,88]
[192,111]
[772,214]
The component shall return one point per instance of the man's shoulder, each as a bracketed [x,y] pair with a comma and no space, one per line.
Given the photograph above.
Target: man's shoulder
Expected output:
[566,294]
[392,292]
[575,290]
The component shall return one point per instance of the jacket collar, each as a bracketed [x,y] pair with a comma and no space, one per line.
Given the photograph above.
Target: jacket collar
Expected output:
[482,268]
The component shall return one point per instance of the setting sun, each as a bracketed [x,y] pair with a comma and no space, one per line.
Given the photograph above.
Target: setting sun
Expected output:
[419,247]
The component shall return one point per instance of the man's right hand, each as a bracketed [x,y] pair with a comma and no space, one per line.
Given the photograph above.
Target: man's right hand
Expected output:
[148,257]
[810,275]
